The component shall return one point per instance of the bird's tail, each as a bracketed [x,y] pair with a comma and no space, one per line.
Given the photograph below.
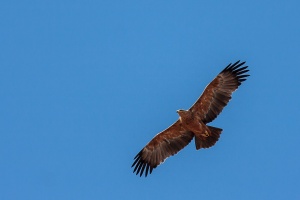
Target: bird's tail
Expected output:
[209,137]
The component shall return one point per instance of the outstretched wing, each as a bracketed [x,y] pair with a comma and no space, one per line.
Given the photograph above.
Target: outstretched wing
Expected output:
[218,93]
[163,145]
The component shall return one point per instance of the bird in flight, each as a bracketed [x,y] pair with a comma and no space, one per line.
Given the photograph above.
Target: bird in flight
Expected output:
[192,123]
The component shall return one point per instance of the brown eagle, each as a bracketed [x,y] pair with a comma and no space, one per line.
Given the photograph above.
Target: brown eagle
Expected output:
[192,122]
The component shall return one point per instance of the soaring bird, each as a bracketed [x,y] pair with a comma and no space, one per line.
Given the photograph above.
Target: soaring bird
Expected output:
[192,123]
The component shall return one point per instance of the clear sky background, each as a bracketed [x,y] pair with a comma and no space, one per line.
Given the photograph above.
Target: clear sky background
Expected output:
[84,85]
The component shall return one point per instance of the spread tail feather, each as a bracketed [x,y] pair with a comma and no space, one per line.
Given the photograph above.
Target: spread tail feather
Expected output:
[208,141]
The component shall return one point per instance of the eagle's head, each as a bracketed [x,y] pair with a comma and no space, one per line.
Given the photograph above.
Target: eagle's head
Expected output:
[183,113]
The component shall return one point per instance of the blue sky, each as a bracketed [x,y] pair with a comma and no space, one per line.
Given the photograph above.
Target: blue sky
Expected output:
[84,85]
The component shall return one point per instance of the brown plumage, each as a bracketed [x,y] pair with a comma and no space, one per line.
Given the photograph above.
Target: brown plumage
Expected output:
[192,122]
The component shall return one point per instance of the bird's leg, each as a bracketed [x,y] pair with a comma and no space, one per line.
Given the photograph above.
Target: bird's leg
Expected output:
[205,134]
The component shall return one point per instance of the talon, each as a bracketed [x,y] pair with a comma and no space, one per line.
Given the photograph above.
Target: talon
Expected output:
[206,134]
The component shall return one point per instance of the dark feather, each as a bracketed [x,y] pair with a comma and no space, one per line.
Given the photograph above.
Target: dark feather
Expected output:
[162,146]
[218,93]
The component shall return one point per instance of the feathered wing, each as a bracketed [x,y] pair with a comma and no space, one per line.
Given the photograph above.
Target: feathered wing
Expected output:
[163,145]
[218,93]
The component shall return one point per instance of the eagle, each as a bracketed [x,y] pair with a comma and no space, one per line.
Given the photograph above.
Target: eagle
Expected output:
[192,123]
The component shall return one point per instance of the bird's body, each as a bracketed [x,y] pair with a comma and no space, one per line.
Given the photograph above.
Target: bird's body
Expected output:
[192,123]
